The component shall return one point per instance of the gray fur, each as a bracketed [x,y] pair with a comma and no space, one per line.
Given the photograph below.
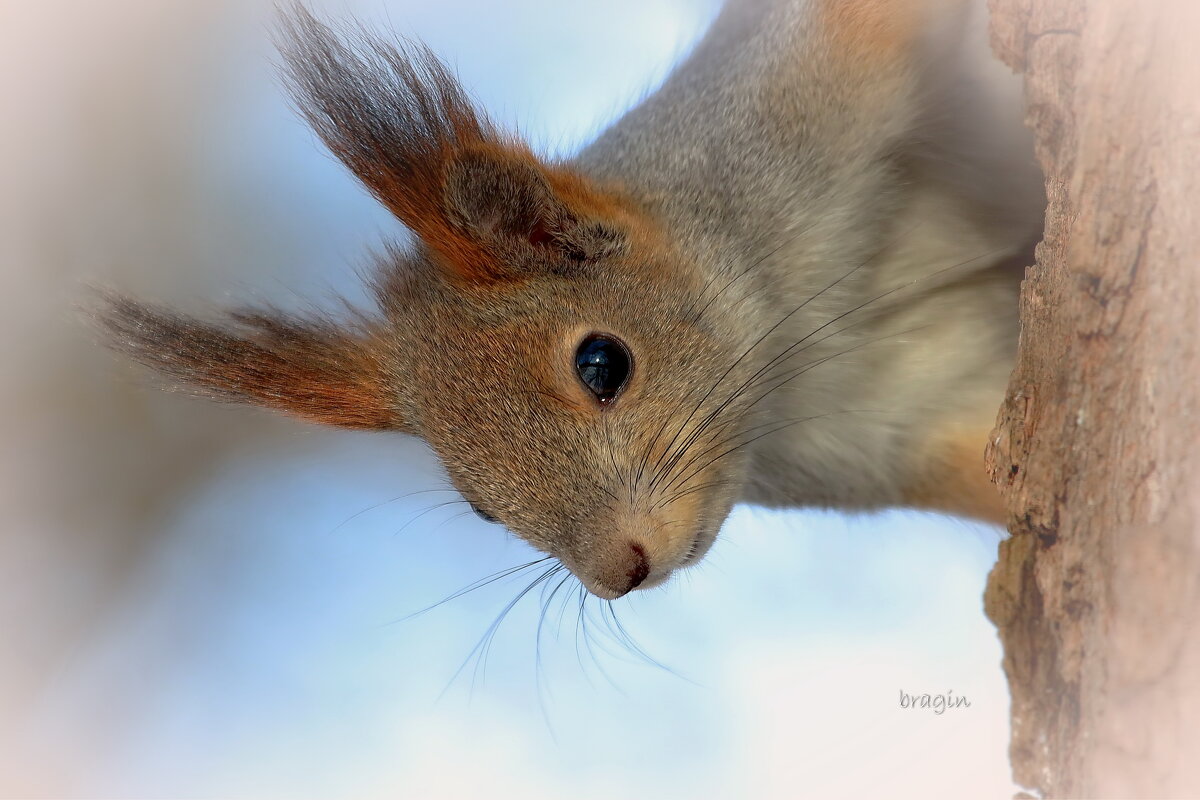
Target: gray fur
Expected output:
[939,173]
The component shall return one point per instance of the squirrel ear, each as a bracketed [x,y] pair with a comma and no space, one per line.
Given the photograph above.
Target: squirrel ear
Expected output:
[314,369]
[490,194]
[402,123]
[523,216]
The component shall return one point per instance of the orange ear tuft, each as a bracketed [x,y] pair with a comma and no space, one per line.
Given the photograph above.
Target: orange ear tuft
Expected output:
[402,123]
[313,369]
[394,117]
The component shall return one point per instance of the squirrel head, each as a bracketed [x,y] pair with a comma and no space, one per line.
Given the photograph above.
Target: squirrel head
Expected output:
[544,334]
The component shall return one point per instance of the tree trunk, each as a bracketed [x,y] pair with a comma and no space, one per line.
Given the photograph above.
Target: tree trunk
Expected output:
[1097,446]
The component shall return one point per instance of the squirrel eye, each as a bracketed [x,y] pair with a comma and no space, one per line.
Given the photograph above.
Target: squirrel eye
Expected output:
[603,364]
[479,512]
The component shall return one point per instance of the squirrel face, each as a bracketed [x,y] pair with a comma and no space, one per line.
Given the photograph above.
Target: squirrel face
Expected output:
[543,335]
[570,413]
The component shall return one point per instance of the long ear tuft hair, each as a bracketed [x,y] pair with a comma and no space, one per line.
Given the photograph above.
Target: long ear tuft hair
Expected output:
[398,118]
[315,369]
[394,116]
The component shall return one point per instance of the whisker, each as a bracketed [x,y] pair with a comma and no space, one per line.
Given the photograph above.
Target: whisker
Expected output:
[562,609]
[612,457]
[666,501]
[426,512]
[584,618]
[480,670]
[481,647]
[792,376]
[753,265]
[693,318]
[543,691]
[785,355]
[552,395]
[579,624]
[371,508]
[760,377]
[797,372]
[622,636]
[545,607]
[743,356]
[475,585]
[721,442]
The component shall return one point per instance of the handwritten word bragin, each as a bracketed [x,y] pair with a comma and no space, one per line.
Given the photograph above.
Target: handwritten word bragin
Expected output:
[937,702]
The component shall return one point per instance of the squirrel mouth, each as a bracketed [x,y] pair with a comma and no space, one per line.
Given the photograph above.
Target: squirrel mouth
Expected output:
[696,550]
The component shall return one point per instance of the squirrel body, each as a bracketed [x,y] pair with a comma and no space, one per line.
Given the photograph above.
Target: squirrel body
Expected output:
[787,277]
[845,133]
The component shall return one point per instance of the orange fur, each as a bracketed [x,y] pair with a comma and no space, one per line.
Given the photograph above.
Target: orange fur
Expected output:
[872,33]
[952,477]
[320,370]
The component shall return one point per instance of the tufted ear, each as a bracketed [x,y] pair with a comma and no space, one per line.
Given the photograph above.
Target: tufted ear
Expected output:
[314,369]
[482,203]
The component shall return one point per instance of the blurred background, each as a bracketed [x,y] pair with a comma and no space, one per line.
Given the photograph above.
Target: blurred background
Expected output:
[201,601]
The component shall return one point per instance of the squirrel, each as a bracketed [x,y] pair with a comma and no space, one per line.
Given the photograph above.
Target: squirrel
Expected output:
[787,277]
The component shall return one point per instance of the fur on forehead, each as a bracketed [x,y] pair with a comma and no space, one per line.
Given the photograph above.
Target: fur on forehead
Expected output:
[481,203]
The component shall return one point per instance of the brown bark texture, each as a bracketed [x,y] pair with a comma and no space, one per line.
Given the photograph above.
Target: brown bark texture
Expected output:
[1097,446]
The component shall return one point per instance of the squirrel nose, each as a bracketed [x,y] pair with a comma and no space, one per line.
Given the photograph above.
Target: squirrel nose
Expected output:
[640,568]
[630,569]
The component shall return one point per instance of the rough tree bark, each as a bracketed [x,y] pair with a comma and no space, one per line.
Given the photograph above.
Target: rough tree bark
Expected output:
[1097,446]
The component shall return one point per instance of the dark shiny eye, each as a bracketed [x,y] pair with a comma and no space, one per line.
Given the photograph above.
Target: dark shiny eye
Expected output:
[479,512]
[603,364]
